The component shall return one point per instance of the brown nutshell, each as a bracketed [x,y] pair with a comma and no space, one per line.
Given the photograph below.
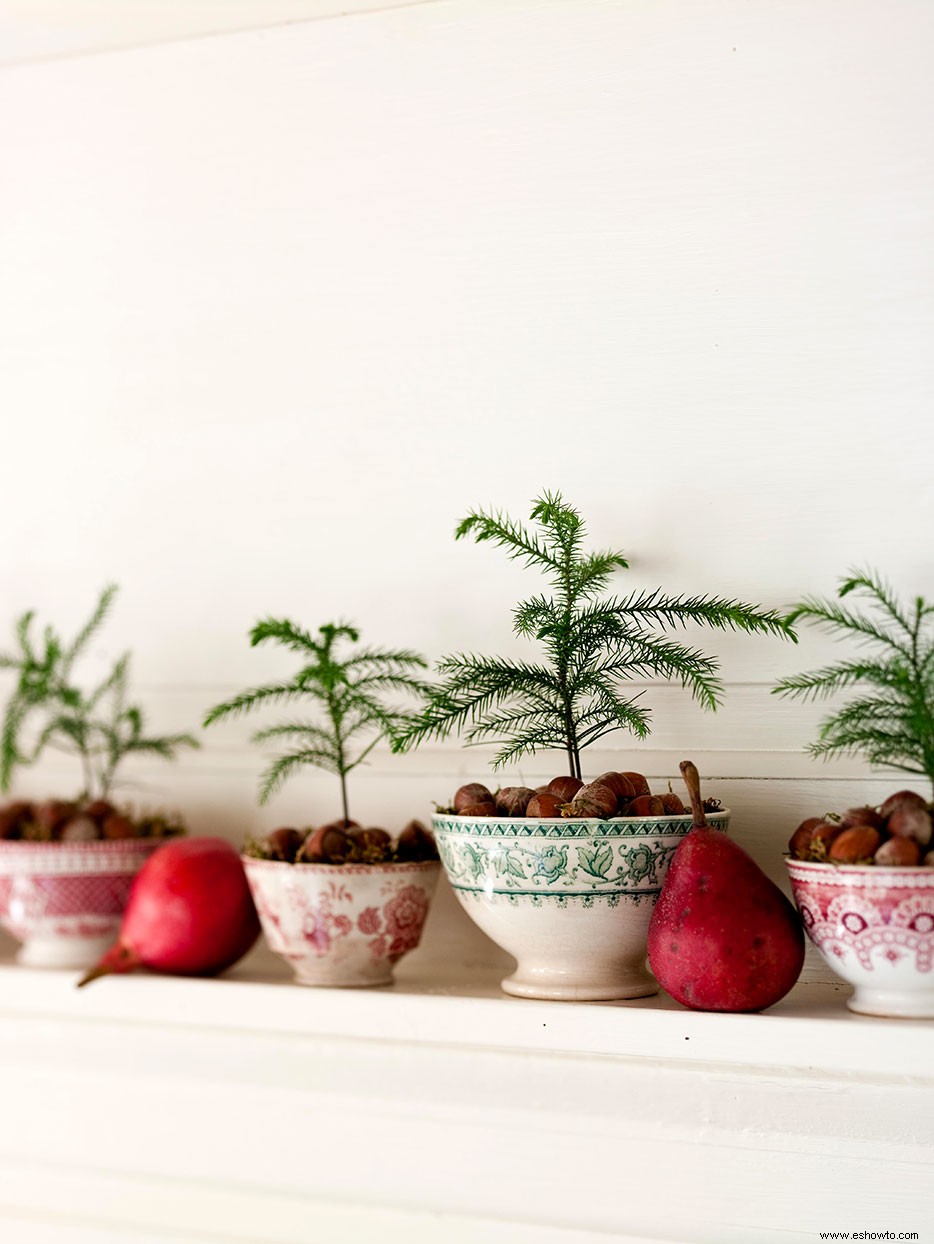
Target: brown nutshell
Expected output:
[799,844]
[855,845]
[646,805]
[513,800]
[472,793]
[485,808]
[639,782]
[619,784]
[564,787]
[902,852]
[910,822]
[546,805]
[902,799]
[862,816]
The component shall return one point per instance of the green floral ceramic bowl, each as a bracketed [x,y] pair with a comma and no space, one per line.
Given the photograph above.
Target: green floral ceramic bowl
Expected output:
[570,900]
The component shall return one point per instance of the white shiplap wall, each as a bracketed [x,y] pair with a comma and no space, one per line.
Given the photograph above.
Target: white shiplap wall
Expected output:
[279,306]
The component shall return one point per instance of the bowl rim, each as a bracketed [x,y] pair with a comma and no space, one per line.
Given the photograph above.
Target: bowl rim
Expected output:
[589,822]
[345,870]
[830,868]
[95,844]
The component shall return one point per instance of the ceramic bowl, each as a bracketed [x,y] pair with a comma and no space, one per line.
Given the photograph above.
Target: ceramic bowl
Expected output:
[345,924]
[64,900]
[570,900]
[874,926]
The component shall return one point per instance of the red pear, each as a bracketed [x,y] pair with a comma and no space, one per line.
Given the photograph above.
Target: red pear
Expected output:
[189,913]
[722,936]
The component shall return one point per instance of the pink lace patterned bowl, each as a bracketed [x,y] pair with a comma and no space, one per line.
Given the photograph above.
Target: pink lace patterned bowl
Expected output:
[64,900]
[874,926]
[344,924]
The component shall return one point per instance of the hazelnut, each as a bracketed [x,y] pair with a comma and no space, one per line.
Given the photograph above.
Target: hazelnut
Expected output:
[855,845]
[79,829]
[50,816]
[472,793]
[327,845]
[13,817]
[545,805]
[99,810]
[416,843]
[862,816]
[639,781]
[619,784]
[593,800]
[799,844]
[821,839]
[564,787]
[672,803]
[373,846]
[115,825]
[903,852]
[485,808]
[646,805]
[283,844]
[902,799]
[908,821]
[512,800]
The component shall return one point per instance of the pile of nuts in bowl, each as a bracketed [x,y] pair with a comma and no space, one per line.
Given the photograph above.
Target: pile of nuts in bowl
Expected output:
[65,820]
[611,794]
[344,842]
[898,832]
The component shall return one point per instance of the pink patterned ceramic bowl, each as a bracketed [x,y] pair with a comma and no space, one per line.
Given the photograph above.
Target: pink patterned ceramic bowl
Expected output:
[64,900]
[875,928]
[345,924]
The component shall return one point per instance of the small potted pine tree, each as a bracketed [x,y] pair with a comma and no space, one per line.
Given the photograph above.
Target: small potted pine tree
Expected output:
[66,865]
[564,877]
[864,879]
[340,902]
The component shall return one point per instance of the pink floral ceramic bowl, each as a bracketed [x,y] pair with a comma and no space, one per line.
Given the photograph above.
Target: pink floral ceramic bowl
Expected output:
[64,900]
[346,924]
[875,928]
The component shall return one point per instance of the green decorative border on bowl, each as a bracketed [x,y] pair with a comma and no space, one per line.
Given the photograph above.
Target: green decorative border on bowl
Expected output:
[540,827]
[559,861]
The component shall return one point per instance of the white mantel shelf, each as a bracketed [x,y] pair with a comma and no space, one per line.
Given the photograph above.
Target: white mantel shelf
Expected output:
[810,1030]
[248,1109]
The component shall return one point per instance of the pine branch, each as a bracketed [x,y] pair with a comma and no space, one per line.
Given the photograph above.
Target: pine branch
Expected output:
[375,660]
[833,678]
[876,587]
[895,725]
[251,699]
[115,682]
[165,745]
[526,743]
[502,531]
[90,628]
[829,616]
[284,766]
[719,612]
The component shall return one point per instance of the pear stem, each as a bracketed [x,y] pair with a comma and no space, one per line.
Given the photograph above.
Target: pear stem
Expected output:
[118,959]
[692,782]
